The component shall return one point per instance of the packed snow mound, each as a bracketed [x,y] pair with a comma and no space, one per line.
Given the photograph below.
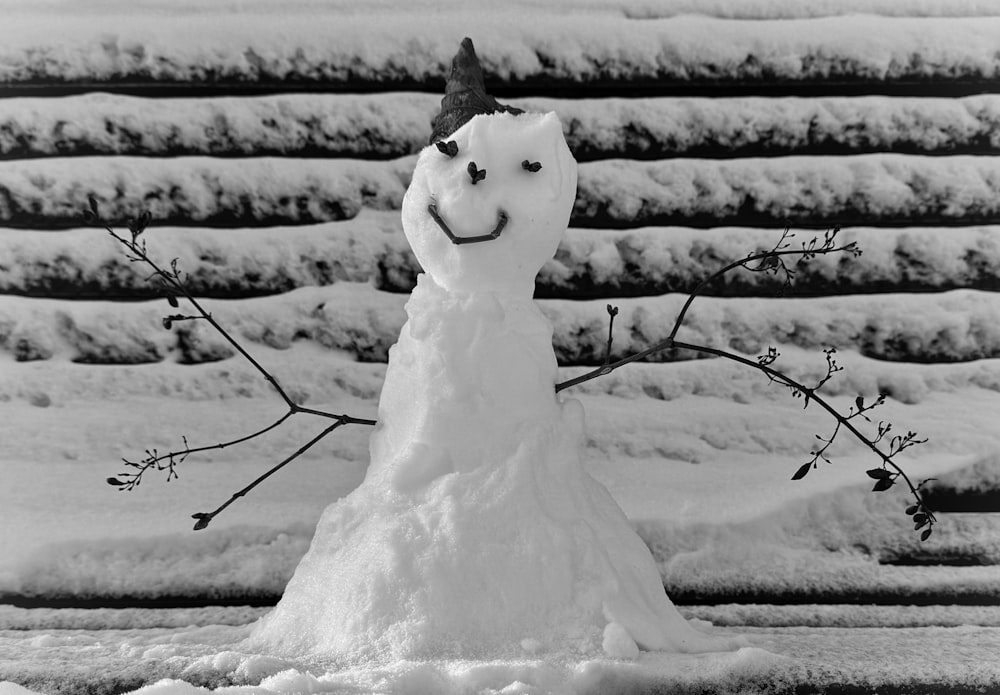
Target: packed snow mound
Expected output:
[477,527]
[511,175]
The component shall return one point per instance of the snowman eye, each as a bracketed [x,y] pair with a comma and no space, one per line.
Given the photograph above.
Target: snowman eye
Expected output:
[476,173]
[531,166]
[449,148]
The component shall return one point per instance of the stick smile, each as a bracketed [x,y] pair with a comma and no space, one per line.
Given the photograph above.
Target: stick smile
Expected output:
[501,223]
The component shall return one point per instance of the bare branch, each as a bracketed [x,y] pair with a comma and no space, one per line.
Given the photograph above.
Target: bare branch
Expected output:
[897,444]
[172,282]
[204,518]
[774,261]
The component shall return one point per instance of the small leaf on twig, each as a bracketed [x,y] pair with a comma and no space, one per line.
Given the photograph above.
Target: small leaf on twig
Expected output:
[925,535]
[912,509]
[203,520]
[115,482]
[803,469]
[168,322]
[883,484]
[878,473]
[172,301]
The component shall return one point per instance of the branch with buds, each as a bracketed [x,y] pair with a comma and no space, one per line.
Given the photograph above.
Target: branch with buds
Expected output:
[171,280]
[775,261]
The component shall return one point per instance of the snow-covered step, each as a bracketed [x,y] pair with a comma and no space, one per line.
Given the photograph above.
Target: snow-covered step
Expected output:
[199,190]
[334,49]
[222,263]
[771,615]
[954,326]
[85,263]
[979,544]
[875,189]
[395,124]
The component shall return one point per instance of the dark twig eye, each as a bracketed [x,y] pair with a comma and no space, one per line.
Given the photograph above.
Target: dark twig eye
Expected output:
[476,173]
[449,148]
[531,166]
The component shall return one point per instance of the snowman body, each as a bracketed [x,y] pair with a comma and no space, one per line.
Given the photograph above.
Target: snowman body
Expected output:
[477,533]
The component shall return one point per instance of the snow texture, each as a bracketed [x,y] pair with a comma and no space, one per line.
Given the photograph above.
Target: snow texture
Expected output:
[781,660]
[198,189]
[955,326]
[394,124]
[743,9]
[701,476]
[371,248]
[322,45]
[865,189]
[883,189]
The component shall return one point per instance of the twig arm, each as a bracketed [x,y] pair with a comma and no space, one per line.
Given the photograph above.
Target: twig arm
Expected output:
[205,518]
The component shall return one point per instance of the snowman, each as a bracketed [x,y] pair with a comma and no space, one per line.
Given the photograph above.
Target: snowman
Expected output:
[477,533]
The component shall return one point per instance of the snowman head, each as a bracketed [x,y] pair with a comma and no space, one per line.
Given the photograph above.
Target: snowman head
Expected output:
[486,207]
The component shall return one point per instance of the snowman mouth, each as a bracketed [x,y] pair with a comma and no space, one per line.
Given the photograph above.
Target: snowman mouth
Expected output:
[501,223]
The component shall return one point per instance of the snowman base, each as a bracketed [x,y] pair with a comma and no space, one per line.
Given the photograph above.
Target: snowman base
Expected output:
[477,533]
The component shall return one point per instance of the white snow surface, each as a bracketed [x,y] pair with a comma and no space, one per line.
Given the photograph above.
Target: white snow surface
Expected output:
[371,248]
[395,123]
[328,44]
[874,188]
[746,9]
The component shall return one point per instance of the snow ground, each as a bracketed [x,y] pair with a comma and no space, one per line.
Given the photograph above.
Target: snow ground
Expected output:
[928,659]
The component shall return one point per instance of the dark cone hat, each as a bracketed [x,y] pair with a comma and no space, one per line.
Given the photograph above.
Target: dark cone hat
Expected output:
[464,95]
